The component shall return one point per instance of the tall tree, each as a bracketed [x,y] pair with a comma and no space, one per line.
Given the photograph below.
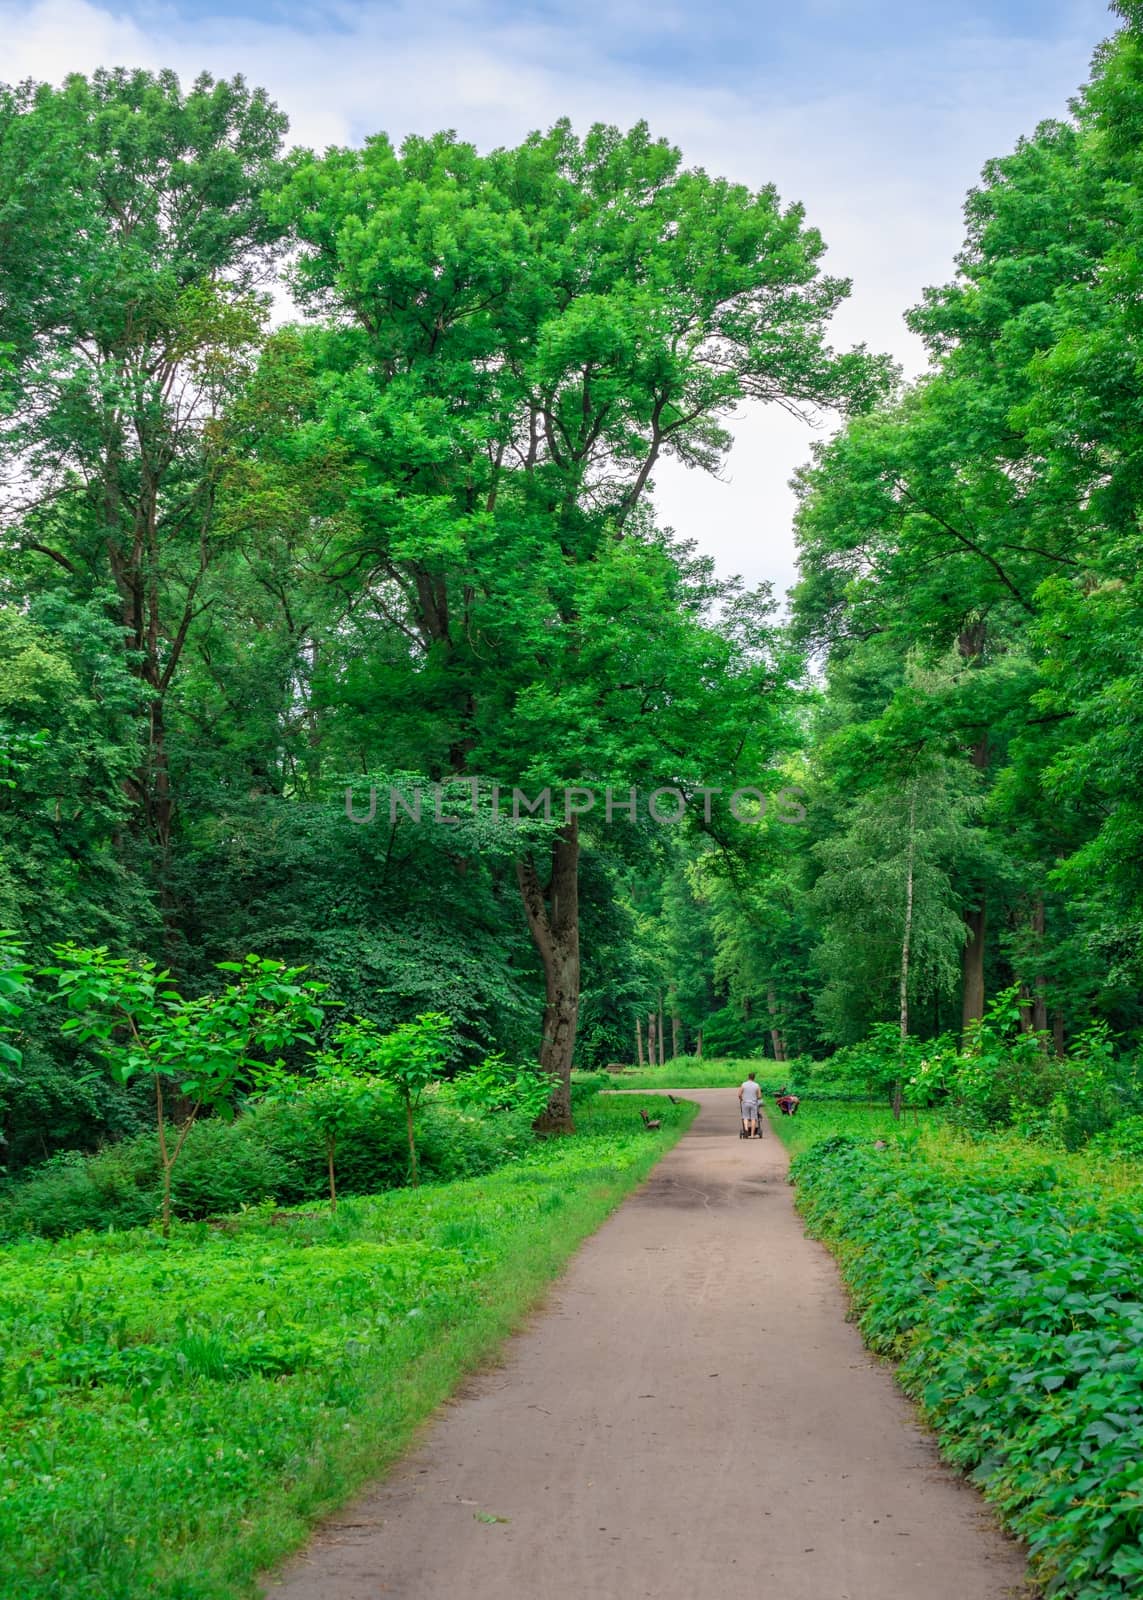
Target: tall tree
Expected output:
[126,337]
[521,338]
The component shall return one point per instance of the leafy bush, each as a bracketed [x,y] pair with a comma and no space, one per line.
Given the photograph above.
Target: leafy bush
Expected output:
[47,1107]
[1012,1297]
[272,1152]
[1003,1077]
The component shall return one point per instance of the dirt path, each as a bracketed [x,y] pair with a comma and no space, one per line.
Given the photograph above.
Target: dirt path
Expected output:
[691,1418]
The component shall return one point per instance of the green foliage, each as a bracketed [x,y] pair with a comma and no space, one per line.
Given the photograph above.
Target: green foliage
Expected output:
[1122,1142]
[334,1095]
[203,1046]
[14,997]
[408,1059]
[728,1033]
[181,1410]
[274,1151]
[496,1085]
[1009,1291]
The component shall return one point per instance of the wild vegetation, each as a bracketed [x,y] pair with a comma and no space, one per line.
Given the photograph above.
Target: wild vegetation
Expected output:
[1005,1281]
[177,1411]
[338,624]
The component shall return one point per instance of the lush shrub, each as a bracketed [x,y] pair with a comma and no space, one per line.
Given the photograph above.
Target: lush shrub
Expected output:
[47,1107]
[1012,1297]
[271,1152]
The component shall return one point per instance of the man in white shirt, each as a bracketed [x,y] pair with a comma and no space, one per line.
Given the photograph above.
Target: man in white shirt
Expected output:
[749,1097]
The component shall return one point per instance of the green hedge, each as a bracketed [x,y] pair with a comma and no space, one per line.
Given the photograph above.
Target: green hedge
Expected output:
[1012,1299]
[268,1153]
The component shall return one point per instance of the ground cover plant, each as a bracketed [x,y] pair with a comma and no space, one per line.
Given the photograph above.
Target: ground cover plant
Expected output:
[1005,1279]
[177,1412]
[817,1120]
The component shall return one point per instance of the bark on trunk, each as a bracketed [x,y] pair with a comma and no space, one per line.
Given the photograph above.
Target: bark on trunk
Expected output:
[776,1038]
[973,1008]
[661,1029]
[553,918]
[639,1039]
[700,1044]
[906,941]
[652,1043]
[1039,991]
[674,1038]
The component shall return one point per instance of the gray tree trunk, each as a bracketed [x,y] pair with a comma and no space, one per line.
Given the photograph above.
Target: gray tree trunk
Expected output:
[553,918]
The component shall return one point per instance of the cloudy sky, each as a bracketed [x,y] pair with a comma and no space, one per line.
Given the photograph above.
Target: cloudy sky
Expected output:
[876,114]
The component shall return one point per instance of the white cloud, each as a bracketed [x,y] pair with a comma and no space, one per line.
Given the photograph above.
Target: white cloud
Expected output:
[881,161]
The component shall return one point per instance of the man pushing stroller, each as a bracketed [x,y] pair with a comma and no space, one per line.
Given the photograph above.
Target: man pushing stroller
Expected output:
[749,1100]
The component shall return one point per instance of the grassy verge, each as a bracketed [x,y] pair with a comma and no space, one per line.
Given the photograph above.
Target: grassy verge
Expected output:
[813,1122]
[685,1072]
[1005,1279]
[177,1414]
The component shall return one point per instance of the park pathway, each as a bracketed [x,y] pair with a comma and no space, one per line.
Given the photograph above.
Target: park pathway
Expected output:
[689,1418]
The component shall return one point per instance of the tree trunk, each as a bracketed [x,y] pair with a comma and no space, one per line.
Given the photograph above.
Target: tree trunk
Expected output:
[639,1039]
[329,1147]
[414,1175]
[661,1028]
[1039,990]
[906,941]
[674,1038]
[1059,1039]
[973,1007]
[700,1044]
[553,918]
[776,1038]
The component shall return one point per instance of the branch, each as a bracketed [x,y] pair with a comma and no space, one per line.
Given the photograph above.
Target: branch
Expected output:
[963,539]
[55,555]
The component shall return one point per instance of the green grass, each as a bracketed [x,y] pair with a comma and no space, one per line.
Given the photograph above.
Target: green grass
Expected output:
[685,1072]
[805,1077]
[177,1414]
[1004,1277]
[821,1121]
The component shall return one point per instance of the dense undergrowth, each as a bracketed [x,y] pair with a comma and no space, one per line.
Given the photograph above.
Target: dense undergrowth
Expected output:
[1005,1279]
[177,1412]
[271,1152]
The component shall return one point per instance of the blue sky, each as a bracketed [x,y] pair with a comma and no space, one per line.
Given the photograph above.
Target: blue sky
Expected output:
[877,114]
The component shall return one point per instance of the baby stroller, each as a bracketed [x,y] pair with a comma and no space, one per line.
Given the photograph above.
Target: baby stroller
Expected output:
[743,1129]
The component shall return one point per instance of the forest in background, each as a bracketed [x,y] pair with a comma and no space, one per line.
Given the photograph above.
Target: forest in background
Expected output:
[409,538]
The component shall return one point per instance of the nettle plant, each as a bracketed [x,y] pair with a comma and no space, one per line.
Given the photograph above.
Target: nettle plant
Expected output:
[208,1049]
